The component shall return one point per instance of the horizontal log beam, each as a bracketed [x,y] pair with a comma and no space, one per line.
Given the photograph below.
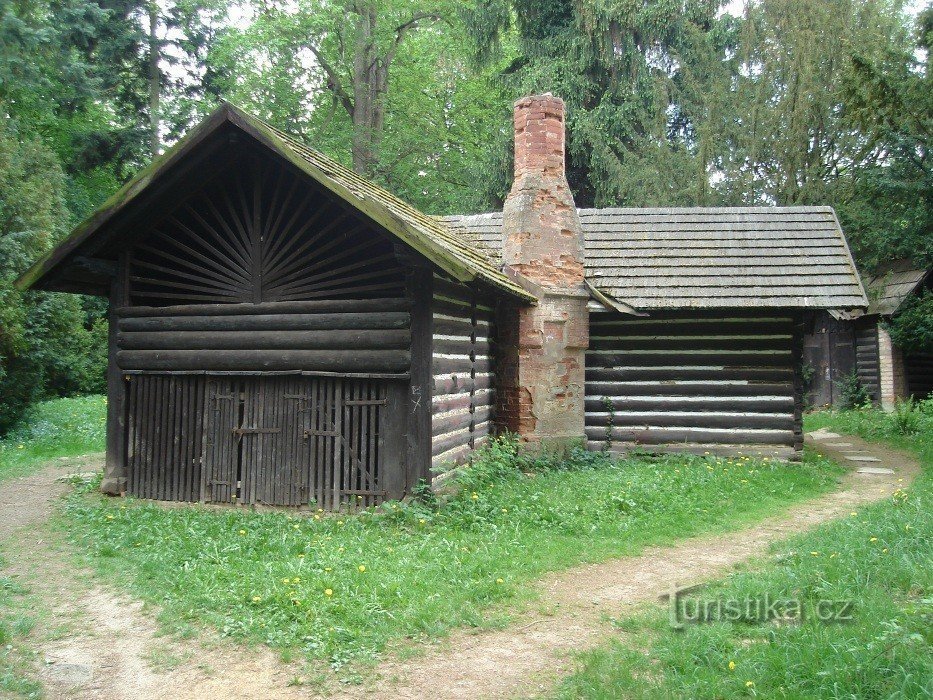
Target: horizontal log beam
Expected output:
[349,340]
[271,307]
[344,361]
[756,403]
[660,436]
[724,388]
[690,419]
[270,322]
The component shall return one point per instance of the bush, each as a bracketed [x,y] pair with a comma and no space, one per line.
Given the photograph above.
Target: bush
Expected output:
[854,393]
[911,328]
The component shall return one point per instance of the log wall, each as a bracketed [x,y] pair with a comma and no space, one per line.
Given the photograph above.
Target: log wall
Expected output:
[353,338]
[694,380]
[463,396]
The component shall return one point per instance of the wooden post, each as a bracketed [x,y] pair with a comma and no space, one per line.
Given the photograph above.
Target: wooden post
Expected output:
[115,476]
[420,287]
[797,354]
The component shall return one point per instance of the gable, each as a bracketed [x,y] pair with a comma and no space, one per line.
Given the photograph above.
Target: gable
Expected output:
[83,261]
[256,233]
[685,258]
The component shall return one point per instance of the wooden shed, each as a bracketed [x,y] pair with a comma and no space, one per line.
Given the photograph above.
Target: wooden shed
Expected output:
[861,343]
[277,325]
[698,345]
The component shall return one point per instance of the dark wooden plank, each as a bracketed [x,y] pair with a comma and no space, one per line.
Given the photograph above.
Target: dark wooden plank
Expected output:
[234,360]
[420,285]
[364,339]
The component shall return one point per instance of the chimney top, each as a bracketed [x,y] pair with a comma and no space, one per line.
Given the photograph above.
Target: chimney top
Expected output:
[539,135]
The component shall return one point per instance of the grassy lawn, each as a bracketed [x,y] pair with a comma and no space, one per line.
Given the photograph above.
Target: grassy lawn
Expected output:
[880,557]
[341,588]
[53,429]
[16,657]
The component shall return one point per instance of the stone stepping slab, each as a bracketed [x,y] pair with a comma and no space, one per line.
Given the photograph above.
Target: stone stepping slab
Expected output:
[839,444]
[861,458]
[823,434]
[874,470]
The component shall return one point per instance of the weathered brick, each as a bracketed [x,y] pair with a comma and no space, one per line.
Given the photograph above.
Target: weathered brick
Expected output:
[541,361]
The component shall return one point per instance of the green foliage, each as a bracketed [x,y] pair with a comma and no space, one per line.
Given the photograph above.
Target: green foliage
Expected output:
[878,557]
[51,430]
[48,343]
[911,328]
[853,394]
[427,566]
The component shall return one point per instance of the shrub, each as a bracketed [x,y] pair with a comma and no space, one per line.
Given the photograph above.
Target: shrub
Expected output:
[854,393]
[911,328]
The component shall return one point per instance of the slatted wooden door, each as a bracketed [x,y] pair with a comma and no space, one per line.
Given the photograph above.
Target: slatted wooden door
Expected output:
[164,422]
[345,441]
[292,440]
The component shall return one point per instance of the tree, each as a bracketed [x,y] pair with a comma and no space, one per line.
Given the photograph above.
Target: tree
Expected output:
[621,69]
[388,92]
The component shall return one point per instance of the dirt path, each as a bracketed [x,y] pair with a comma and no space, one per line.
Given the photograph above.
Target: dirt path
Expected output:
[525,659]
[96,644]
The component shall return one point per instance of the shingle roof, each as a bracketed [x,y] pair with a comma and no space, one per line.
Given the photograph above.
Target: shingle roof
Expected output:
[426,234]
[678,258]
[891,286]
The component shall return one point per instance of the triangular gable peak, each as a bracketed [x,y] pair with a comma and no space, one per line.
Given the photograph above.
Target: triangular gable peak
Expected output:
[237,157]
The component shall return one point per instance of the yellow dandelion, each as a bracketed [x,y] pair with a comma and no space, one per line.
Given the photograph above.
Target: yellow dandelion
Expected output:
[296,580]
[475,495]
[499,580]
[109,517]
[816,554]
[242,532]
[853,513]
[340,522]
[317,517]
[422,521]
[256,598]
[328,592]
[873,539]
[327,568]
[505,510]
[296,526]
[286,580]
[361,568]
[732,665]
[884,551]
[749,684]
[301,556]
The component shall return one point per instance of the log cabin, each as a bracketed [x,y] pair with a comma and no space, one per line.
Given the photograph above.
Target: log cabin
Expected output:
[840,343]
[284,332]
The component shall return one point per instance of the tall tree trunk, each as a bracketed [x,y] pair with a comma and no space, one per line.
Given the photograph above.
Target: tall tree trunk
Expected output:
[155,80]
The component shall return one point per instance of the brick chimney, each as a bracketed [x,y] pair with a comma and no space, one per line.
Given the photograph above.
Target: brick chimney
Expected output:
[541,347]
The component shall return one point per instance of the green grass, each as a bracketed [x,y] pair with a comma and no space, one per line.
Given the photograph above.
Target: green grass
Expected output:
[53,429]
[880,557]
[16,657]
[406,571]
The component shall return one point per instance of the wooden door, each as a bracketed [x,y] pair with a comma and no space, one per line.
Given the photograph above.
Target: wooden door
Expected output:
[223,414]
[290,440]
[163,437]
[345,441]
